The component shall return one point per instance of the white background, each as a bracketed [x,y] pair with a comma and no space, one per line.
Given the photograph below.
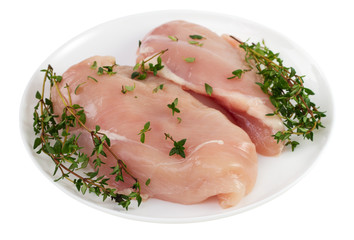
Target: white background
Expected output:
[319,206]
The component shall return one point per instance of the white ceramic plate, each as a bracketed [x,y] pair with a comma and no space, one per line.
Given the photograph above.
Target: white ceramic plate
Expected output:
[120,38]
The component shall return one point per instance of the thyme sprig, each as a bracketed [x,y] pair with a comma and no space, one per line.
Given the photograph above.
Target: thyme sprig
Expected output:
[55,140]
[173,106]
[178,146]
[143,131]
[286,92]
[154,68]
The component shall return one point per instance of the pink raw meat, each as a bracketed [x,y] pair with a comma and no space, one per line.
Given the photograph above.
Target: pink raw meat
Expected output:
[220,158]
[215,60]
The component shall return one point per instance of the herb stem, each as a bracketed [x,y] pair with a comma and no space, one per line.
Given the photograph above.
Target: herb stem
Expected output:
[69,108]
[69,95]
[155,55]
[61,167]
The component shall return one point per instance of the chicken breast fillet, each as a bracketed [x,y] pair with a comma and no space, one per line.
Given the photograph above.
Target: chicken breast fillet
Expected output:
[220,159]
[211,59]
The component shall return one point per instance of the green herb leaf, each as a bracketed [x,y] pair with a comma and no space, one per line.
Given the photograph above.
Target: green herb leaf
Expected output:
[196,43]
[134,75]
[106,69]
[189,59]
[38,95]
[238,73]
[173,38]
[179,120]
[92,174]
[94,65]
[143,131]
[208,89]
[97,128]
[37,142]
[100,71]
[147,182]
[196,37]
[109,69]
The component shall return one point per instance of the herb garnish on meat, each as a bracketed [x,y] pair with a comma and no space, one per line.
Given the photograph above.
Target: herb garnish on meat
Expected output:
[286,92]
[53,138]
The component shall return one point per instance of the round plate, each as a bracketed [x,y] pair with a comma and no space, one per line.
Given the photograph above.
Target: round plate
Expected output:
[119,38]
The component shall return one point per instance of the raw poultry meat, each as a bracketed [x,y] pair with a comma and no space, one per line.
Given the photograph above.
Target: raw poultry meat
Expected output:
[197,56]
[220,158]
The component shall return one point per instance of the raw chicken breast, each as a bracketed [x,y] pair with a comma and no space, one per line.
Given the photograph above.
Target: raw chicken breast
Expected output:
[214,61]
[220,158]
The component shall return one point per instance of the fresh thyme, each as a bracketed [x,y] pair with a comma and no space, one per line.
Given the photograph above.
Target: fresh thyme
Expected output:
[189,59]
[127,88]
[178,146]
[94,65]
[154,68]
[173,38]
[159,87]
[196,43]
[286,92]
[77,87]
[55,140]
[143,131]
[238,73]
[173,106]
[195,36]
[106,69]
[208,89]
[179,120]
[147,183]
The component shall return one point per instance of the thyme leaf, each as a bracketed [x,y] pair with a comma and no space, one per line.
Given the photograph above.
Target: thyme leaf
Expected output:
[238,73]
[94,65]
[208,89]
[147,182]
[195,36]
[189,59]
[196,43]
[179,120]
[173,38]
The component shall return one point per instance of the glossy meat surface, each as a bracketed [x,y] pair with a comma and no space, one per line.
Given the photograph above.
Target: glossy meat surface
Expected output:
[215,58]
[220,158]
